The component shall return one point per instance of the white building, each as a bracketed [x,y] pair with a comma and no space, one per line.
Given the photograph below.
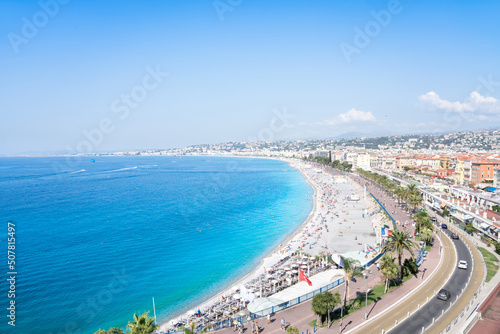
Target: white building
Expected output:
[496,178]
[363,161]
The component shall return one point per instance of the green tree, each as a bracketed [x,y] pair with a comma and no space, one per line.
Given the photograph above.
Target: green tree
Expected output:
[318,306]
[399,242]
[446,212]
[415,200]
[192,329]
[426,235]
[142,324]
[115,330]
[412,188]
[422,220]
[410,267]
[497,247]
[352,268]
[331,300]
[469,228]
[400,193]
[388,269]
[112,330]
[292,330]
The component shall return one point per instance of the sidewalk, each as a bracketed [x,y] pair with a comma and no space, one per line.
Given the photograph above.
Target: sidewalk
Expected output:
[485,319]
[300,315]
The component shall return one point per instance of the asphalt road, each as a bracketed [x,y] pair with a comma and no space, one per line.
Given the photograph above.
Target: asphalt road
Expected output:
[435,307]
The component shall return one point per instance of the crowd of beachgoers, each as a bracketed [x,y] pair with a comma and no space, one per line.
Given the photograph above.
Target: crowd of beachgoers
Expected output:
[340,222]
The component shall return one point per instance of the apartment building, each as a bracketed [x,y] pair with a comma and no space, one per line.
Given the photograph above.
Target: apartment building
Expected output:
[482,171]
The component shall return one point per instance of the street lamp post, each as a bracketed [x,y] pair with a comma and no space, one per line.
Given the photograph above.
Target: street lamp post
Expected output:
[366,274]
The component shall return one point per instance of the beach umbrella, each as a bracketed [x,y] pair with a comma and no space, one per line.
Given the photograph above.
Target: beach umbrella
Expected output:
[236,296]
[244,312]
[287,268]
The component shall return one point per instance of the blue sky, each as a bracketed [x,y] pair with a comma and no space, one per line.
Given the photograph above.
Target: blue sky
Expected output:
[98,76]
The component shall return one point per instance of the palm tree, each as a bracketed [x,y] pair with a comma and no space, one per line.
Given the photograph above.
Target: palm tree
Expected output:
[388,269]
[112,330]
[422,220]
[415,200]
[331,300]
[400,193]
[142,324]
[318,306]
[192,329]
[352,268]
[426,235]
[399,242]
[115,330]
[412,188]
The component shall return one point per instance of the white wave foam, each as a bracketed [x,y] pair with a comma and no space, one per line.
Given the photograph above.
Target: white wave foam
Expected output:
[121,169]
[77,171]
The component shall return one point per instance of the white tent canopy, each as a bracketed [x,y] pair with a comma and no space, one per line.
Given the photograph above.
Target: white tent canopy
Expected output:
[260,304]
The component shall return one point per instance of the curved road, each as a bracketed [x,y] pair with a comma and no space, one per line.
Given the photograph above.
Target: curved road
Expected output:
[477,277]
[435,307]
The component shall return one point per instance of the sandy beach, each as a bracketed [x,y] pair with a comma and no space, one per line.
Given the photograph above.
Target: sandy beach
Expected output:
[339,223]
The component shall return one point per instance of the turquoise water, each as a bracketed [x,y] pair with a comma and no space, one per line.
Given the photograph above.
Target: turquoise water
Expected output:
[96,241]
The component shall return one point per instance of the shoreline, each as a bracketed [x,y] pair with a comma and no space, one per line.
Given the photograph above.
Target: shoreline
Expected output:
[262,263]
[334,221]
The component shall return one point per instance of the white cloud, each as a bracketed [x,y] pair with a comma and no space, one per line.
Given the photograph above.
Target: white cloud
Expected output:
[352,115]
[474,103]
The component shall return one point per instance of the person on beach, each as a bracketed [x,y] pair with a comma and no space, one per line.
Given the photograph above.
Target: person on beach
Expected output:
[269,318]
[257,328]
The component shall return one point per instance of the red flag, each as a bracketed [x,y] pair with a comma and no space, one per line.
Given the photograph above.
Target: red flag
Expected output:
[303,277]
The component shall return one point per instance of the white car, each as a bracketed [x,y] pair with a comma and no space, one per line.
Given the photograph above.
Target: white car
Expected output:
[462,264]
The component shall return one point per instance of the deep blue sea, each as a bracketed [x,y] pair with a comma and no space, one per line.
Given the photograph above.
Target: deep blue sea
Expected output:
[95,241]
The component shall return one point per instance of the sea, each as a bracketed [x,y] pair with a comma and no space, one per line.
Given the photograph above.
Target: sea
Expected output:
[94,240]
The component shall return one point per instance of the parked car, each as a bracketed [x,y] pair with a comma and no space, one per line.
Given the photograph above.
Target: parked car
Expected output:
[433,219]
[444,226]
[444,294]
[462,264]
[454,236]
